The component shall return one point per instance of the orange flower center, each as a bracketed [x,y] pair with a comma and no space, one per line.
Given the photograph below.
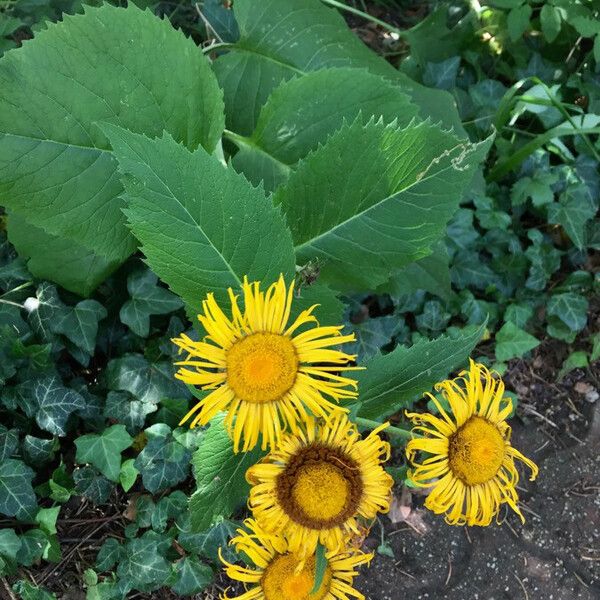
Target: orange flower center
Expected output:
[262,367]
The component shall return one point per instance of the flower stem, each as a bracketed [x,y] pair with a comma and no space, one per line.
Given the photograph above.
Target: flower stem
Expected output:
[364,15]
[390,430]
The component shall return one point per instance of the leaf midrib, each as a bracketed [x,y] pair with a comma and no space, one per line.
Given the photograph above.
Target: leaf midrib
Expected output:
[298,248]
[193,220]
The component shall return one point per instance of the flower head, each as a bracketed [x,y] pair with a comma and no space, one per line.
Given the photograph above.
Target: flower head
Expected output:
[259,368]
[279,574]
[316,484]
[471,463]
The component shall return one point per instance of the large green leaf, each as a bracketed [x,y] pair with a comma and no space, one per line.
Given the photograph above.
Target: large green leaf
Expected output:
[192,576]
[303,112]
[281,39]
[104,450]
[385,211]
[395,380]
[202,226]
[512,341]
[220,477]
[81,269]
[56,167]
[16,494]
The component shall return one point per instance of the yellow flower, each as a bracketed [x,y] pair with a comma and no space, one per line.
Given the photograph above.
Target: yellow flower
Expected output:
[260,369]
[317,483]
[278,574]
[471,465]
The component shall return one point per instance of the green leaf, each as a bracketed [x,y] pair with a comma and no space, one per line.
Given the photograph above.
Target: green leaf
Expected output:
[143,566]
[385,212]
[147,382]
[92,485]
[16,494]
[54,161]
[595,355]
[10,544]
[221,20]
[569,308]
[573,210]
[431,274]
[316,37]
[207,543]
[394,381]
[9,440]
[38,450]
[298,116]
[80,325]
[147,299]
[104,450]
[575,360]
[168,507]
[46,519]
[320,566]
[585,26]
[55,403]
[27,591]
[192,576]
[34,543]
[551,21]
[372,334]
[163,462]
[109,555]
[124,408]
[77,268]
[202,232]
[513,342]
[220,477]
[518,21]
[128,474]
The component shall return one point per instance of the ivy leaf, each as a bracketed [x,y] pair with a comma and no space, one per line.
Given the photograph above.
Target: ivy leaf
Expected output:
[10,544]
[9,440]
[298,116]
[27,591]
[573,210]
[55,161]
[104,450]
[46,312]
[128,474]
[221,20]
[147,382]
[575,360]
[202,232]
[513,342]
[395,380]
[168,507]
[80,325]
[192,576]
[34,543]
[163,462]
[109,555]
[570,308]
[55,403]
[147,299]
[220,477]
[124,408]
[207,543]
[380,218]
[143,566]
[92,485]
[372,334]
[16,494]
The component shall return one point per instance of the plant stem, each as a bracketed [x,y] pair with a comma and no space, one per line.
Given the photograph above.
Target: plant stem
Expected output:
[364,15]
[390,430]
